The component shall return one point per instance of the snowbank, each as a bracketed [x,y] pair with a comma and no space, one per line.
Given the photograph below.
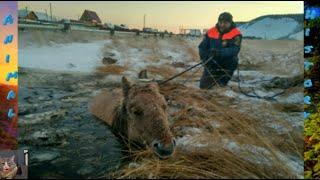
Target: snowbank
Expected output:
[297,36]
[271,28]
[82,57]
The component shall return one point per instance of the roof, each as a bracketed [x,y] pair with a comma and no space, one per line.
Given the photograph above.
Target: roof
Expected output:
[90,16]
[22,13]
[42,16]
[45,17]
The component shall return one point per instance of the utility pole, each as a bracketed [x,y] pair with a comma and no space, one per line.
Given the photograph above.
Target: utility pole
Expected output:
[50,12]
[26,13]
[144,21]
[46,14]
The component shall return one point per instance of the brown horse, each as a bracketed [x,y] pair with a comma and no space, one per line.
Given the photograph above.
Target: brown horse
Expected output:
[138,113]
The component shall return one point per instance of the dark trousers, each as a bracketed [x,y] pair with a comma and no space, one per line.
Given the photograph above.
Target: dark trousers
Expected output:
[218,74]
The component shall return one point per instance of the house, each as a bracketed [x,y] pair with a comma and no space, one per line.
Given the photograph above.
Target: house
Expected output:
[121,27]
[35,16]
[43,16]
[25,14]
[90,16]
[109,26]
[150,30]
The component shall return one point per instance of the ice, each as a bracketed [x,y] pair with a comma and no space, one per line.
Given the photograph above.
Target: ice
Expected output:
[81,57]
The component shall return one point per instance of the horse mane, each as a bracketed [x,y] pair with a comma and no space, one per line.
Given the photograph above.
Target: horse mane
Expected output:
[119,123]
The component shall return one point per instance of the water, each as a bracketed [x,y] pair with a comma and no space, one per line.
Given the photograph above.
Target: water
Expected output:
[78,145]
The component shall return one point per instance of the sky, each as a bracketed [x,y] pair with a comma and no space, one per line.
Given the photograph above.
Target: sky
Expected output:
[170,15]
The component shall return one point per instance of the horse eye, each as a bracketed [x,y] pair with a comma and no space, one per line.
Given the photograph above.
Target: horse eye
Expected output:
[138,112]
[164,107]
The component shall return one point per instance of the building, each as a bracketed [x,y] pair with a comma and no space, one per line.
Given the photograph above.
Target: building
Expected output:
[194,32]
[190,32]
[204,31]
[35,16]
[44,17]
[25,14]
[90,16]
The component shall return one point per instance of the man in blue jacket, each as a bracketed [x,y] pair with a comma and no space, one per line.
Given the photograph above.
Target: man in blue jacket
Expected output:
[221,45]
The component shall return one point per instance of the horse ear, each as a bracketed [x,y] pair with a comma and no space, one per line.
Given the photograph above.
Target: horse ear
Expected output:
[126,85]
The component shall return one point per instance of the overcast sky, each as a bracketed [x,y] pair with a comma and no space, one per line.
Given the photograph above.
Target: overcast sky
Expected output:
[166,14]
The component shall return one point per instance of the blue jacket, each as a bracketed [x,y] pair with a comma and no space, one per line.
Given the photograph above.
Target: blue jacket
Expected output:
[228,44]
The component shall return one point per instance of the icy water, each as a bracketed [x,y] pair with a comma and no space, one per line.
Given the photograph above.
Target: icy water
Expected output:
[63,138]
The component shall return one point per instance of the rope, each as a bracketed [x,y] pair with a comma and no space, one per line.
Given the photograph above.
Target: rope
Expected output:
[179,74]
[253,95]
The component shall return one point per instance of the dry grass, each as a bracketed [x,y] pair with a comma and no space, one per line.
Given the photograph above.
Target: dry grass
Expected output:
[110,69]
[164,71]
[193,53]
[218,158]
[190,49]
[286,107]
[198,164]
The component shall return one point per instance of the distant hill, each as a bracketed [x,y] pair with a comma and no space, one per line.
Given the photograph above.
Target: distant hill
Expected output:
[284,26]
[240,23]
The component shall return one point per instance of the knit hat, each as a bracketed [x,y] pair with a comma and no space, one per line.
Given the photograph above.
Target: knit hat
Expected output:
[225,17]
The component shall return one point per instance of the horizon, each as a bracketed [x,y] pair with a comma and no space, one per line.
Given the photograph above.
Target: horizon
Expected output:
[166,15]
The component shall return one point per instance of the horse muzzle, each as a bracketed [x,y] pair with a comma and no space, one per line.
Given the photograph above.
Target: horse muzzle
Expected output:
[163,151]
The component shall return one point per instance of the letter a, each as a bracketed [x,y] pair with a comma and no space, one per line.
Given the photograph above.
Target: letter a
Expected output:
[8,20]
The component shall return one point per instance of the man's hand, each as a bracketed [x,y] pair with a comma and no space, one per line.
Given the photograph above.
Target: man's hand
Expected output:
[215,53]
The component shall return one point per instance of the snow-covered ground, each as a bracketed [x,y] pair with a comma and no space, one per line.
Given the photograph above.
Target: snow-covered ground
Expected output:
[82,57]
[299,35]
[273,28]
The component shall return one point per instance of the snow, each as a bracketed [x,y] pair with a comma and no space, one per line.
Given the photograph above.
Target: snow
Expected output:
[297,36]
[270,28]
[184,141]
[80,57]
[189,141]
[111,78]
[254,154]
[215,124]
[254,75]
[293,163]
[230,93]
[192,130]
[294,98]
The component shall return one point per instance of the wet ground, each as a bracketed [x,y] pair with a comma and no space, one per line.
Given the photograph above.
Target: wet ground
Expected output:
[63,138]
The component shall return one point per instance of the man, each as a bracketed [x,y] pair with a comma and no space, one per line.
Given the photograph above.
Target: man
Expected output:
[221,45]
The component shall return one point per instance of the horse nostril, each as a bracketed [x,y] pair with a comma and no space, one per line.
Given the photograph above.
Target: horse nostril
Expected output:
[174,142]
[156,145]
